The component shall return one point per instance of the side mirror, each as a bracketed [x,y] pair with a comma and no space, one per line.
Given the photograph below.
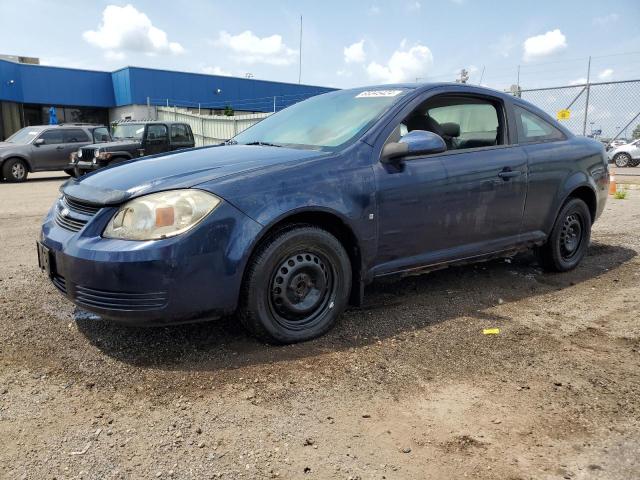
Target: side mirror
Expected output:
[38,142]
[416,142]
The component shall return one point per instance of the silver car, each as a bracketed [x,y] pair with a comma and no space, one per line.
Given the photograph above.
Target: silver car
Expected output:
[627,155]
[45,147]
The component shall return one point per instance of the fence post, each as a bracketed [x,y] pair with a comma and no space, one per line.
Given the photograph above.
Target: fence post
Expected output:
[148,108]
[235,127]
[175,114]
[274,104]
[198,109]
[586,103]
[202,130]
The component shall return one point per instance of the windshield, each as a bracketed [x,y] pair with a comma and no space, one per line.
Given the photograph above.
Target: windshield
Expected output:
[326,121]
[23,136]
[129,130]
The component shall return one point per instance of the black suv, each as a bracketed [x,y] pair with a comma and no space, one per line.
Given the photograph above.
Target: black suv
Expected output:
[132,139]
[46,147]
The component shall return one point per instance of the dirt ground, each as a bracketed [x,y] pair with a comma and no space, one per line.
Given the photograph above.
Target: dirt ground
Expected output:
[407,387]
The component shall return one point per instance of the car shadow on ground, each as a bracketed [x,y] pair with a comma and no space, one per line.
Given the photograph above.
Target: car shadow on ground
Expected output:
[392,308]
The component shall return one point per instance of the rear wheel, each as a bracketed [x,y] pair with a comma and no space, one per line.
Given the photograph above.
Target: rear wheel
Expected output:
[15,170]
[622,160]
[569,239]
[296,285]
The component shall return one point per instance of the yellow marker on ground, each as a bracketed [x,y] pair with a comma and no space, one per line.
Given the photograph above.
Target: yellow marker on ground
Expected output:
[491,331]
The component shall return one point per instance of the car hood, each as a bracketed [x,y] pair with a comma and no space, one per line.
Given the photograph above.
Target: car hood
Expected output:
[4,145]
[115,144]
[182,169]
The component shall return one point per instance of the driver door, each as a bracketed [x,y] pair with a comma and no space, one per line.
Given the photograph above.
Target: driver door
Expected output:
[464,202]
[48,149]
[156,139]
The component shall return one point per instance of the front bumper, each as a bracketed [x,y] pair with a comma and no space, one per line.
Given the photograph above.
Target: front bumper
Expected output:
[193,276]
[82,166]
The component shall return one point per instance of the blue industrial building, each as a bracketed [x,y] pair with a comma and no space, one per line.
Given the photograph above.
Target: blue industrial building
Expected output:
[27,92]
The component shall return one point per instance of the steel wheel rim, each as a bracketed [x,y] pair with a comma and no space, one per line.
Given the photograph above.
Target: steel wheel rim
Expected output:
[18,171]
[571,236]
[300,289]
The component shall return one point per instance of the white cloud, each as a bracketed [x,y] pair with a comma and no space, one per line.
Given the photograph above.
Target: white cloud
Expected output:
[354,53]
[578,81]
[545,44]
[606,19]
[414,6]
[405,65]
[374,10]
[249,48]
[215,70]
[125,29]
[605,74]
[344,73]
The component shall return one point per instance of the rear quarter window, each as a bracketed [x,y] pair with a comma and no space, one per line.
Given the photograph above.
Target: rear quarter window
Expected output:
[534,129]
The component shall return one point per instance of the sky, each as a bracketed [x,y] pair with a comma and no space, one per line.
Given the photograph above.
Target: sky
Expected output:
[344,43]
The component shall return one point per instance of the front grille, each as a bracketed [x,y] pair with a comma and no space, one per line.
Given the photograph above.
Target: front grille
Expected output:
[60,283]
[88,154]
[123,301]
[73,214]
[72,224]
[78,206]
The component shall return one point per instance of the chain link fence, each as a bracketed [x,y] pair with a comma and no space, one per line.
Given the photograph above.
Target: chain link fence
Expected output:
[605,110]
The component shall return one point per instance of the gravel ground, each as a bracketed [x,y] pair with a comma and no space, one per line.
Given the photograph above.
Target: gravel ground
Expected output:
[405,387]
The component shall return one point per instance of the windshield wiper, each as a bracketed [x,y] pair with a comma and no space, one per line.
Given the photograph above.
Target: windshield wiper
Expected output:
[263,144]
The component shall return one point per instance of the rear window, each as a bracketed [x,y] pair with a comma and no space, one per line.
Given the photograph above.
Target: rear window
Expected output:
[101,134]
[180,133]
[75,135]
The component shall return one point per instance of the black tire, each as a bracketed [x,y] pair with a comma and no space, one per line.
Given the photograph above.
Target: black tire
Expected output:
[622,160]
[634,162]
[15,170]
[71,172]
[569,239]
[296,285]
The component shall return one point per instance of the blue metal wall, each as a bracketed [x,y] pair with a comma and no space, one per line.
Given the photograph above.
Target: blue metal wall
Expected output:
[46,85]
[26,83]
[191,89]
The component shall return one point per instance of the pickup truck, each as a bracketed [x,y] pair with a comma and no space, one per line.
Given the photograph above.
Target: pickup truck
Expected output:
[132,139]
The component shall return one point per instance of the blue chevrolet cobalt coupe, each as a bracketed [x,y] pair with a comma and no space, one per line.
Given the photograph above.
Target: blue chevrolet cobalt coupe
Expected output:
[286,223]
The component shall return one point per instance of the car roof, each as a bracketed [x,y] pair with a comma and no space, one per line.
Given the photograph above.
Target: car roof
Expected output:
[65,125]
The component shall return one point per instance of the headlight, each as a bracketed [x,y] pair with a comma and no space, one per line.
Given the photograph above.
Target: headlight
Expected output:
[160,215]
[79,153]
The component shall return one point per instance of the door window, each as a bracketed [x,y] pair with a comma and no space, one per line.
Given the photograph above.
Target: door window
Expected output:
[463,122]
[532,128]
[52,137]
[157,133]
[75,135]
[180,133]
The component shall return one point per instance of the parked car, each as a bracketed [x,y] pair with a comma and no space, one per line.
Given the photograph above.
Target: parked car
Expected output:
[132,140]
[286,223]
[45,148]
[627,155]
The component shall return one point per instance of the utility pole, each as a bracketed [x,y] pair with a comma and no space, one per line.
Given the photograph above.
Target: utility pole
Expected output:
[586,103]
[300,54]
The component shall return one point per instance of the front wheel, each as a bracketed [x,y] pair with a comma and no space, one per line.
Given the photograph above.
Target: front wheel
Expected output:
[569,239]
[15,170]
[296,285]
[622,160]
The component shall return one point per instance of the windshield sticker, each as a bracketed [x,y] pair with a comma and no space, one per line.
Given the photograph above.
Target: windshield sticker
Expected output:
[378,93]
[32,133]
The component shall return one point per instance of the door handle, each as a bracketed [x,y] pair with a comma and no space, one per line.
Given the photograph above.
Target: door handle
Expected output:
[507,174]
